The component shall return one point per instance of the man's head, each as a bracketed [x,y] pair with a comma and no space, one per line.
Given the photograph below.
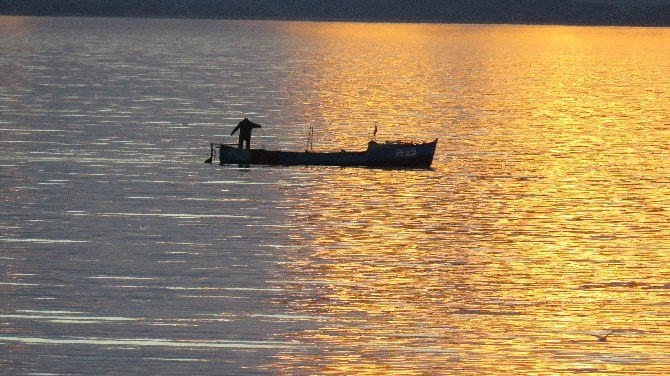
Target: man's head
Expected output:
[248,123]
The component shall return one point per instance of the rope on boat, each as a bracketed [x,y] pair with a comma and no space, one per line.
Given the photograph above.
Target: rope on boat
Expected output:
[261,135]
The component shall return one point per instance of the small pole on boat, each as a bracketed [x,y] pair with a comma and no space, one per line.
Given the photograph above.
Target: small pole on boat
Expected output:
[310,139]
[211,153]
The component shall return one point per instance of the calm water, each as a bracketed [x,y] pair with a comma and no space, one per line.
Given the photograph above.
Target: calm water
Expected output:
[544,222]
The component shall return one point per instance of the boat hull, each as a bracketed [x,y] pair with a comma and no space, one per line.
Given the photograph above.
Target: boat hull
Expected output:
[379,155]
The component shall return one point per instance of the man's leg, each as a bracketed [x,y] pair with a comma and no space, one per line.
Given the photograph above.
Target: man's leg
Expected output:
[239,143]
[248,141]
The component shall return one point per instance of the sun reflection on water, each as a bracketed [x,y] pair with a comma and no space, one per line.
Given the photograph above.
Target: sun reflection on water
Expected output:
[544,224]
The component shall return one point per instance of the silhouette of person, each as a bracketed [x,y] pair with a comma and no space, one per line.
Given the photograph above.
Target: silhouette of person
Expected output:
[245,127]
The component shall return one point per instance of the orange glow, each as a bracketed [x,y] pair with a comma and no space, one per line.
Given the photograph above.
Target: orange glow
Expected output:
[544,221]
[15,24]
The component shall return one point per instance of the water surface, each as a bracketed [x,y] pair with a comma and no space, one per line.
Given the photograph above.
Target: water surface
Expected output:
[544,220]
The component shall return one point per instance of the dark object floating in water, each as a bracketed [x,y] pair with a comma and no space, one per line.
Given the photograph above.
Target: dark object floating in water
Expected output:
[602,337]
[379,155]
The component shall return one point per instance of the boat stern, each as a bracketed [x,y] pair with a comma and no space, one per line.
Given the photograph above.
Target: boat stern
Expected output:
[401,154]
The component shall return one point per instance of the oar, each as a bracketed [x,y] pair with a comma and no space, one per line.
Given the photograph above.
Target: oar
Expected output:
[211,153]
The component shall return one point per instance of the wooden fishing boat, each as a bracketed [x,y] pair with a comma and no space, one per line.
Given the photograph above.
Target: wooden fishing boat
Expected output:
[395,154]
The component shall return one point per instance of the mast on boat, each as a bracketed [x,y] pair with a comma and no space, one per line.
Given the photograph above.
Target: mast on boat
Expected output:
[310,139]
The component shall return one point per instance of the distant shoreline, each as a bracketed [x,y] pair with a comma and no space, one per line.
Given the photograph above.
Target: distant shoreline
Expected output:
[345,20]
[648,13]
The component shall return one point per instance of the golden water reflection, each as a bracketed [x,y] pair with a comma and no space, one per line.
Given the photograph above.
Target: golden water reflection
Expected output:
[544,220]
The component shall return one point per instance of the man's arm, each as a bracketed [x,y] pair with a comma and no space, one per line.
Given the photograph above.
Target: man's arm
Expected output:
[235,130]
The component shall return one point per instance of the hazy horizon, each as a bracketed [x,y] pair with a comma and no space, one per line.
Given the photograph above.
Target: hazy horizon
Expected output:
[572,12]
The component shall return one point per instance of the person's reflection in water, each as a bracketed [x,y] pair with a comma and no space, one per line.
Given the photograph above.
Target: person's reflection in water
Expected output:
[245,127]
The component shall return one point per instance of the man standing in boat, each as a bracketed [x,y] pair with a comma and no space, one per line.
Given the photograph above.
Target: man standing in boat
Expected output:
[245,127]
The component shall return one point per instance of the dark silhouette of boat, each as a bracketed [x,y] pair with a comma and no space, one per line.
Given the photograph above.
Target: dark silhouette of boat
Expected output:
[379,155]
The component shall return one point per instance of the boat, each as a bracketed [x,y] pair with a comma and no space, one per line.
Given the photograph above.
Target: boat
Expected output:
[389,154]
